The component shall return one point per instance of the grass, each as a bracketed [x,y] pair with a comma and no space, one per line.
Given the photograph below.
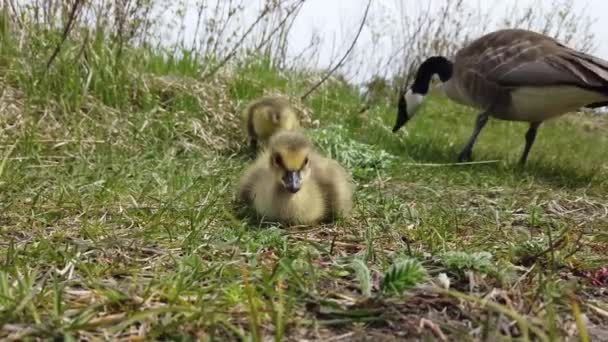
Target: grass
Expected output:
[117,218]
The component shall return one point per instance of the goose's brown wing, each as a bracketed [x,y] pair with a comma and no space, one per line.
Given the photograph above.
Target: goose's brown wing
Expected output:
[516,58]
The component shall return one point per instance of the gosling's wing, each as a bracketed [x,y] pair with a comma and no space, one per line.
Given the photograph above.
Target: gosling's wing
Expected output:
[336,185]
[254,173]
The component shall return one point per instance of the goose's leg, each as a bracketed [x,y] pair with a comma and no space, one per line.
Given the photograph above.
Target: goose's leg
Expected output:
[467,151]
[530,136]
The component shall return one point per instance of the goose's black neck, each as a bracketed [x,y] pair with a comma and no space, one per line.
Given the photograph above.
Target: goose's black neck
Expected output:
[434,65]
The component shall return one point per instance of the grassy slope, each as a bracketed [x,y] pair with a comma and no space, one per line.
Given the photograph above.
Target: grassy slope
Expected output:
[117,217]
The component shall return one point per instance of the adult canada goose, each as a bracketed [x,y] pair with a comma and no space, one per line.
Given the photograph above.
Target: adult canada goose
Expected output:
[266,116]
[291,183]
[513,75]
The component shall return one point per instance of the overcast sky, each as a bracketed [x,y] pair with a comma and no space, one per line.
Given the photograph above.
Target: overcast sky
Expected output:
[331,17]
[337,20]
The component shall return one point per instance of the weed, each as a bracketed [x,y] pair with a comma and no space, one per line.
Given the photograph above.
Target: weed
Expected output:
[402,275]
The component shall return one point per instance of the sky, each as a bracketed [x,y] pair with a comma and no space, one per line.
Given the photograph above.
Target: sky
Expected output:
[338,20]
[337,16]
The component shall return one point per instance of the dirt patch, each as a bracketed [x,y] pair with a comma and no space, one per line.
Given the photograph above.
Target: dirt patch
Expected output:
[12,117]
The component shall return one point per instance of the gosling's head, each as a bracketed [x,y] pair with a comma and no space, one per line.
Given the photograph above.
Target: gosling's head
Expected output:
[290,159]
[281,113]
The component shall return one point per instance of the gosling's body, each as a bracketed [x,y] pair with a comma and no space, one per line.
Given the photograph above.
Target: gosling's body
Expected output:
[323,194]
[268,115]
[515,75]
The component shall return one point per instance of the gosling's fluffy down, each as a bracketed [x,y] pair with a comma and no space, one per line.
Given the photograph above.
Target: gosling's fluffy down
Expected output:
[291,183]
[268,115]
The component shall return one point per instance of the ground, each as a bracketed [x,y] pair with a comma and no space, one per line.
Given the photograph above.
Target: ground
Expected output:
[118,218]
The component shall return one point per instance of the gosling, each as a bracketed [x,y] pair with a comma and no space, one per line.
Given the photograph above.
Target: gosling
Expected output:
[290,182]
[268,115]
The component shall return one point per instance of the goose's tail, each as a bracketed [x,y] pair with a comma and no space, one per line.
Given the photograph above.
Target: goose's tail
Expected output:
[597,68]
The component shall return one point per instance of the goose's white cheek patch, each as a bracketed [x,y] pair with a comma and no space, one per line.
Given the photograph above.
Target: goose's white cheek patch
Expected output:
[413,102]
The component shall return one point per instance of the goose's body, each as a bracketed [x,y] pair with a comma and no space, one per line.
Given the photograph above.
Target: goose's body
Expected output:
[513,75]
[291,183]
[268,115]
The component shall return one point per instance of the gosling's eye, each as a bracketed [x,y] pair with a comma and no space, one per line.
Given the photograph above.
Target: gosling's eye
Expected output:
[306,161]
[277,160]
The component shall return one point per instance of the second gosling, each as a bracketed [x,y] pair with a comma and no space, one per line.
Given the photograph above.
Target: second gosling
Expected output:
[292,183]
[267,116]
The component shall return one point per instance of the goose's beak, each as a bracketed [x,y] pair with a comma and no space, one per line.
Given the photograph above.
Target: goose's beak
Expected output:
[402,116]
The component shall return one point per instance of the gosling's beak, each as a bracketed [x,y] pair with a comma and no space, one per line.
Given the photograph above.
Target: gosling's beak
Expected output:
[402,116]
[292,181]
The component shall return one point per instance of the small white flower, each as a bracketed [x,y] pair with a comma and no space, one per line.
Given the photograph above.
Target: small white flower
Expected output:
[444,280]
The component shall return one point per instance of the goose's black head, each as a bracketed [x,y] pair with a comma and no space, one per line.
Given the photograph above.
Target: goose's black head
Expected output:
[411,99]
